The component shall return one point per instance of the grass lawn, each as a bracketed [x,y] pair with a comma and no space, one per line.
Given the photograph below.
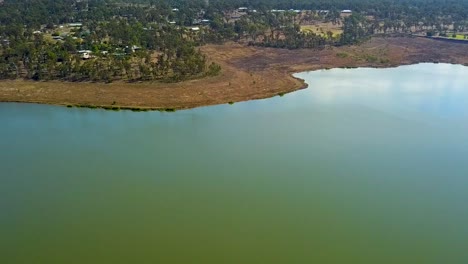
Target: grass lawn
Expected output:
[458,36]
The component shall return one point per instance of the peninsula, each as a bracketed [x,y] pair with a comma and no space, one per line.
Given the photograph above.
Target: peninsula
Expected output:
[151,55]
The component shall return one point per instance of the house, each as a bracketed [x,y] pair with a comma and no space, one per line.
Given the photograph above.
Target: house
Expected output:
[195,29]
[346,13]
[75,24]
[242,9]
[86,56]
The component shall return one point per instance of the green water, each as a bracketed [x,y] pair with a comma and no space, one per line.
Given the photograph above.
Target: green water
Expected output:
[365,166]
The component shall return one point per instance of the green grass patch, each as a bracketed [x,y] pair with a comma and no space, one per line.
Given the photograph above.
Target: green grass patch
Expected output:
[457,36]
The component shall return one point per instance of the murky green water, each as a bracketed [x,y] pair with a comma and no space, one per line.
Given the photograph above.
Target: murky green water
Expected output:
[365,166]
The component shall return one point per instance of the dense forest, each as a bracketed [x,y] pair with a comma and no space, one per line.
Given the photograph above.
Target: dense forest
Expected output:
[109,40]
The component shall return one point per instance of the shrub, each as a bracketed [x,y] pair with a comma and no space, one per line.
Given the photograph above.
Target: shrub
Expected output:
[214,69]
[342,55]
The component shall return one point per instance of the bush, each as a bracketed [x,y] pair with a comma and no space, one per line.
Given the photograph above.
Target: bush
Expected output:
[371,58]
[342,55]
[384,60]
[214,69]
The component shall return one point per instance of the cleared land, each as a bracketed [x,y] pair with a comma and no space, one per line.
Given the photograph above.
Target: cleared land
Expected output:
[247,73]
[322,28]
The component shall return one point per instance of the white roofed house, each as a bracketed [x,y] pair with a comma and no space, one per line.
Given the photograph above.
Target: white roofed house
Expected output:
[85,54]
[346,13]
[75,25]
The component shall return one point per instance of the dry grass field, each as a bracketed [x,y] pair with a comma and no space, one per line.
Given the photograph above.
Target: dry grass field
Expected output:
[322,28]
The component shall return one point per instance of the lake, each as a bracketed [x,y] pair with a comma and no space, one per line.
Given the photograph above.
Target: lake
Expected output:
[364,166]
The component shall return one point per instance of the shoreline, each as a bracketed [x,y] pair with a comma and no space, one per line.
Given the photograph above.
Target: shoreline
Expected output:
[248,73]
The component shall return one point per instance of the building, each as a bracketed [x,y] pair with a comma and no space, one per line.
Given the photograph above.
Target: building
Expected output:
[75,24]
[242,9]
[346,13]
[85,54]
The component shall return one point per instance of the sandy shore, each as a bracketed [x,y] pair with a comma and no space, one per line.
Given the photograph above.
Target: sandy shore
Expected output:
[247,73]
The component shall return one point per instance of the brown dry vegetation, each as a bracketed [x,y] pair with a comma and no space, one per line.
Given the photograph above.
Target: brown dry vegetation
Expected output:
[247,73]
[322,28]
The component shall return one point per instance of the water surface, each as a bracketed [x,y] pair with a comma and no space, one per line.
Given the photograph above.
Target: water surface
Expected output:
[364,166]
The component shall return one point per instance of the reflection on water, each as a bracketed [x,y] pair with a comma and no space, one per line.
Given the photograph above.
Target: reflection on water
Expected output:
[431,89]
[365,166]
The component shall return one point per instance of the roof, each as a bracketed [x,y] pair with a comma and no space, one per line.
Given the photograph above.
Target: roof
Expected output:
[346,11]
[75,24]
